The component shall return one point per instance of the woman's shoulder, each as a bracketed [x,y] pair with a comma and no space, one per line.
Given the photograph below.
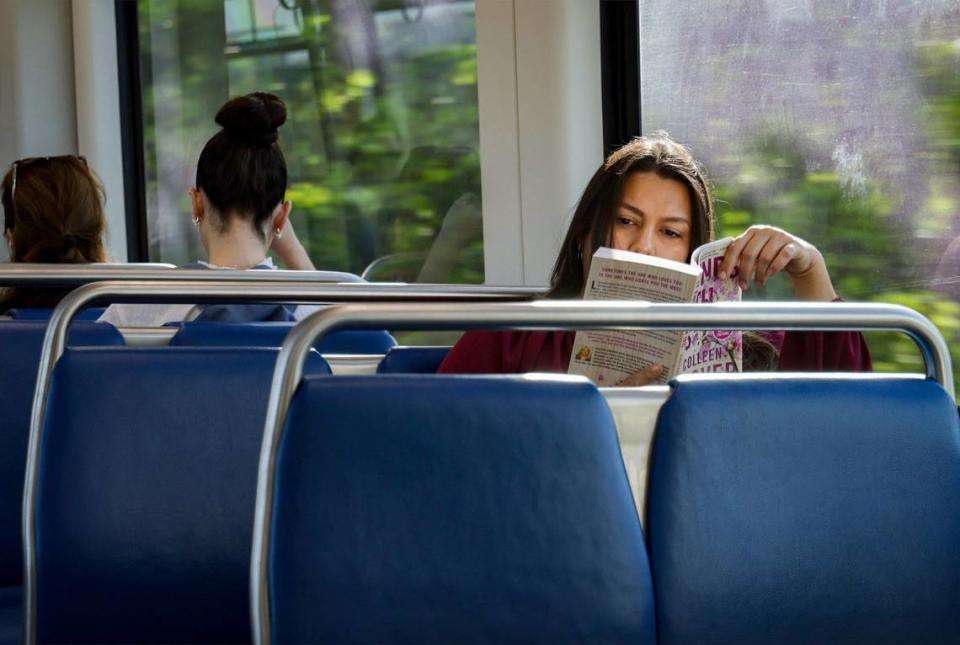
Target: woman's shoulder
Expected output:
[509,352]
[514,340]
[475,353]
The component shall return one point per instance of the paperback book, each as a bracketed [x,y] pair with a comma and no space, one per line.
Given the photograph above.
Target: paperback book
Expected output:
[606,357]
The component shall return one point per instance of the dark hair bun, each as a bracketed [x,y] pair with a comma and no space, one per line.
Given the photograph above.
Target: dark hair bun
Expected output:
[253,119]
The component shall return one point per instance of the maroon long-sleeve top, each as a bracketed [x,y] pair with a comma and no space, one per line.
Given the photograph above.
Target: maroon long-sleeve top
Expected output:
[495,352]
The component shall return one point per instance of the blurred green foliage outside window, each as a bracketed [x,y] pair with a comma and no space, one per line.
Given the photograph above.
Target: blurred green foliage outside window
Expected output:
[837,121]
[382,134]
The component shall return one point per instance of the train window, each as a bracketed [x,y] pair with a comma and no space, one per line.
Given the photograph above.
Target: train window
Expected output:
[839,121]
[382,136]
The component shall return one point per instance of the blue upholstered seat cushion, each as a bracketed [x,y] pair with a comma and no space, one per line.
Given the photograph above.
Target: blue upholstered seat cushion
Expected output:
[146,494]
[806,511]
[455,509]
[412,360]
[267,334]
[20,343]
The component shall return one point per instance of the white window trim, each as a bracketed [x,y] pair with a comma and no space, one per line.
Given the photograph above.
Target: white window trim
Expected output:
[541,128]
[98,110]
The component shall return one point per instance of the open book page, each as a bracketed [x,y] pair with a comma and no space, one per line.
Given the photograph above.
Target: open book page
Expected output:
[606,357]
[713,351]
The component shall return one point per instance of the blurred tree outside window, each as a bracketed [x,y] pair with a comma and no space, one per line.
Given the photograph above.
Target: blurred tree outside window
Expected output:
[382,134]
[837,121]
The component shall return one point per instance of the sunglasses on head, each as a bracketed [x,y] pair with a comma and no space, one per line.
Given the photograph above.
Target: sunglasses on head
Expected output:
[22,163]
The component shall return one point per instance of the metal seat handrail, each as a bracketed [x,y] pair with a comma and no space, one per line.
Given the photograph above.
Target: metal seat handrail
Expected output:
[19,274]
[58,275]
[215,286]
[556,315]
[428,315]
[75,275]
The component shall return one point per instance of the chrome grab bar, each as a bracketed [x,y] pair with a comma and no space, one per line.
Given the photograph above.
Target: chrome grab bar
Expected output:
[454,315]
[73,275]
[545,315]
[20,274]
[215,286]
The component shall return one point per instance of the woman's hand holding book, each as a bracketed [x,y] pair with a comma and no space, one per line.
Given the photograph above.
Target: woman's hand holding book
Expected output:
[761,252]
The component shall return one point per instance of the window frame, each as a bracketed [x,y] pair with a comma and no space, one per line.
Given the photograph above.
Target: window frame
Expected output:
[535,160]
[131,129]
[620,72]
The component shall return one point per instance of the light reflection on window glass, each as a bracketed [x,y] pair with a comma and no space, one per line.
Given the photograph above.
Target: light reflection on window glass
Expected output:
[382,133]
[838,121]
[250,20]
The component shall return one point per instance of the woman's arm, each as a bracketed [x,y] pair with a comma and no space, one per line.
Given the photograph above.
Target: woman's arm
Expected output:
[763,251]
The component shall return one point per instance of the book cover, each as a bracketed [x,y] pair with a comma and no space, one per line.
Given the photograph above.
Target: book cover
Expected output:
[608,356]
[712,351]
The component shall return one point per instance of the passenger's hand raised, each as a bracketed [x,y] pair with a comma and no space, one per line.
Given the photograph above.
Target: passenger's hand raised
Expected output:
[761,252]
[288,247]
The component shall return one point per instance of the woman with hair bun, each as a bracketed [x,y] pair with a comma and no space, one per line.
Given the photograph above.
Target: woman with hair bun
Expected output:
[238,201]
[52,213]
[240,210]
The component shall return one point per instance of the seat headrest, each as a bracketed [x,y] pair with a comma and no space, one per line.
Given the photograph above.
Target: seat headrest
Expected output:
[20,344]
[146,493]
[454,509]
[268,334]
[806,510]
[91,313]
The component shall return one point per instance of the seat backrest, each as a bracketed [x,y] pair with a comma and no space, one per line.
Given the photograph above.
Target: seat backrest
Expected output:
[145,495]
[454,509]
[266,334]
[20,344]
[91,313]
[806,510]
[412,360]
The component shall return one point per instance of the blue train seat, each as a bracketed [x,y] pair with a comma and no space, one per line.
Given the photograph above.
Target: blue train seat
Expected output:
[802,511]
[146,494]
[267,334]
[91,313]
[412,360]
[454,509]
[20,343]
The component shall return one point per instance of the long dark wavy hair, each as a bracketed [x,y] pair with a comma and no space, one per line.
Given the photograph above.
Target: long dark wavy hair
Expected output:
[593,219]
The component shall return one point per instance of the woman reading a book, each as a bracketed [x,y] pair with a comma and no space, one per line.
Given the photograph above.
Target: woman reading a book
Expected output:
[651,196]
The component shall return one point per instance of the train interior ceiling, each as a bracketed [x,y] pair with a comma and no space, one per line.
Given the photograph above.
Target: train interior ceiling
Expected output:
[316,480]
